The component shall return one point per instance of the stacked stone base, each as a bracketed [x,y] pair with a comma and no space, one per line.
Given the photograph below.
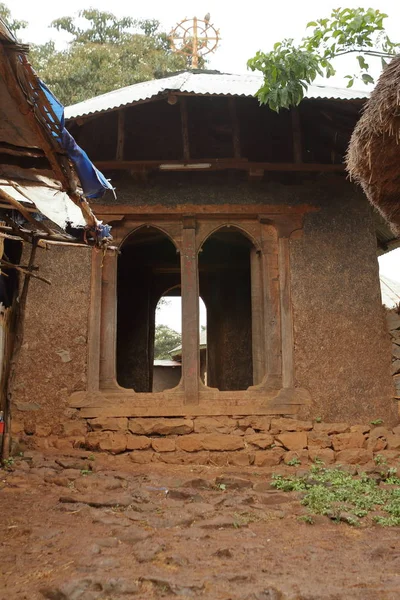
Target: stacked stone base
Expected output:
[222,441]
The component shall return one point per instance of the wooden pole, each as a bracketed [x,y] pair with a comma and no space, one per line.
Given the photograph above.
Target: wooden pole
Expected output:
[195,56]
[296,132]
[257,320]
[286,316]
[235,128]
[119,155]
[190,313]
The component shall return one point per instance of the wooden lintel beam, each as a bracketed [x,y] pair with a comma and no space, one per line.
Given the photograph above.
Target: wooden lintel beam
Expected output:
[217,165]
[212,211]
[256,174]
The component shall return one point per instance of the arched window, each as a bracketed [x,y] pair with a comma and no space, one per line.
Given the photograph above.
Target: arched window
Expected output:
[147,266]
[225,284]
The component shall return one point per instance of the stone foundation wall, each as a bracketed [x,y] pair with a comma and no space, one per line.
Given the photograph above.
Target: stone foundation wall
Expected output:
[241,441]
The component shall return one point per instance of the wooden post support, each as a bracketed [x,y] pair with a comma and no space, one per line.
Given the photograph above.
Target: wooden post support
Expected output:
[119,155]
[108,334]
[296,132]
[235,128]
[190,313]
[286,314]
[272,329]
[257,320]
[93,368]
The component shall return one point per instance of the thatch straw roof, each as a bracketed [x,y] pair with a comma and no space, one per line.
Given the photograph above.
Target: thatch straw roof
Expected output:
[373,158]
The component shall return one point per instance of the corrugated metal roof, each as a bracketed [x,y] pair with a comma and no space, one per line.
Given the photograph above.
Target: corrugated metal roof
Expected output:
[390,291]
[214,84]
[203,344]
[166,363]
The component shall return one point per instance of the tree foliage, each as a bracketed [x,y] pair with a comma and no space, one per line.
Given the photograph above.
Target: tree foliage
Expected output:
[104,53]
[165,340]
[13,24]
[289,69]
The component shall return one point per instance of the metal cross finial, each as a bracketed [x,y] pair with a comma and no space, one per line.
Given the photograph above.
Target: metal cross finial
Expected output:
[195,38]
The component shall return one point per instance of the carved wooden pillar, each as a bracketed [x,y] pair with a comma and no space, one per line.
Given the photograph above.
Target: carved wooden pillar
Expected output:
[257,313]
[286,314]
[108,335]
[190,313]
[272,324]
[93,368]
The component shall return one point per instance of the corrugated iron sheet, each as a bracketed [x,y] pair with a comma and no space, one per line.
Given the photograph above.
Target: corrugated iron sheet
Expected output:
[212,84]
[390,291]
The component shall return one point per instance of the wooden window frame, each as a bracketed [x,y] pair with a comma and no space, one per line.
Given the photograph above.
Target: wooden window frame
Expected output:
[274,389]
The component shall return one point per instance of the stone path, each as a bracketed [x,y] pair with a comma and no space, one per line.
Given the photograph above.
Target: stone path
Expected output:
[74,528]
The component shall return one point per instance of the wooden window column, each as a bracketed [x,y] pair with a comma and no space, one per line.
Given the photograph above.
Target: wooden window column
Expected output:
[190,313]
[108,334]
[272,321]
[286,314]
[257,316]
[93,368]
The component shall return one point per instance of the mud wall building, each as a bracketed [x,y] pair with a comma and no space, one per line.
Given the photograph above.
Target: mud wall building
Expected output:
[222,199]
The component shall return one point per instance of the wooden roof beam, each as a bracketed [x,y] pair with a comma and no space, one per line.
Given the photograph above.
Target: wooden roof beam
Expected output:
[217,164]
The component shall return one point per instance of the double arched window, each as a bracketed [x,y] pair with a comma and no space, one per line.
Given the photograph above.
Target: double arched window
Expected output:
[239,266]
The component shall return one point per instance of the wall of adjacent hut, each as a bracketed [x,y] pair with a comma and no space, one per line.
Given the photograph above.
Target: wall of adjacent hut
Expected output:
[342,349]
[53,356]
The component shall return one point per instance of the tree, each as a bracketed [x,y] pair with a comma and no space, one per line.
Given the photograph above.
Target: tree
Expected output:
[165,340]
[288,69]
[13,24]
[105,53]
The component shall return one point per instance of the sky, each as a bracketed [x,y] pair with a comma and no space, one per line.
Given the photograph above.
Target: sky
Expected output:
[244,28]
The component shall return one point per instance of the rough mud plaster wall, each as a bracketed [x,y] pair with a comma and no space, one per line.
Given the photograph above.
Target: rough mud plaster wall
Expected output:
[166,378]
[228,300]
[191,188]
[54,353]
[342,349]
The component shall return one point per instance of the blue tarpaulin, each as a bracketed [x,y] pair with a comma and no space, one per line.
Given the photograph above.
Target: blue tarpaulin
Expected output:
[93,182]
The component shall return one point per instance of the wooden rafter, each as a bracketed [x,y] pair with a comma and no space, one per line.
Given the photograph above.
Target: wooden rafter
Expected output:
[119,155]
[185,129]
[235,128]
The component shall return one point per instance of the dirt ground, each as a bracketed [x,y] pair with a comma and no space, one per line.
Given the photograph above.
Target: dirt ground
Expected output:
[162,531]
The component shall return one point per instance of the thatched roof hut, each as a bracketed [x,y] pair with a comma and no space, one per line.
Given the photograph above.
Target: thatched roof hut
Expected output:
[373,158]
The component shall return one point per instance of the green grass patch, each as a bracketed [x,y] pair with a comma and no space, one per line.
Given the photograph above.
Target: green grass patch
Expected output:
[342,496]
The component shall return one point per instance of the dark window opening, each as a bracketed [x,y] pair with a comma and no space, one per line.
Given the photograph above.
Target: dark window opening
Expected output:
[148,265]
[9,279]
[225,286]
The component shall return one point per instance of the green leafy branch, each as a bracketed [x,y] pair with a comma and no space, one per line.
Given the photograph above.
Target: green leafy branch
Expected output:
[289,69]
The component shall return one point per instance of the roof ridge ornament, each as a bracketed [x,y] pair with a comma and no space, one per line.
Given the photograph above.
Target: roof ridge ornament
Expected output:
[194,38]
